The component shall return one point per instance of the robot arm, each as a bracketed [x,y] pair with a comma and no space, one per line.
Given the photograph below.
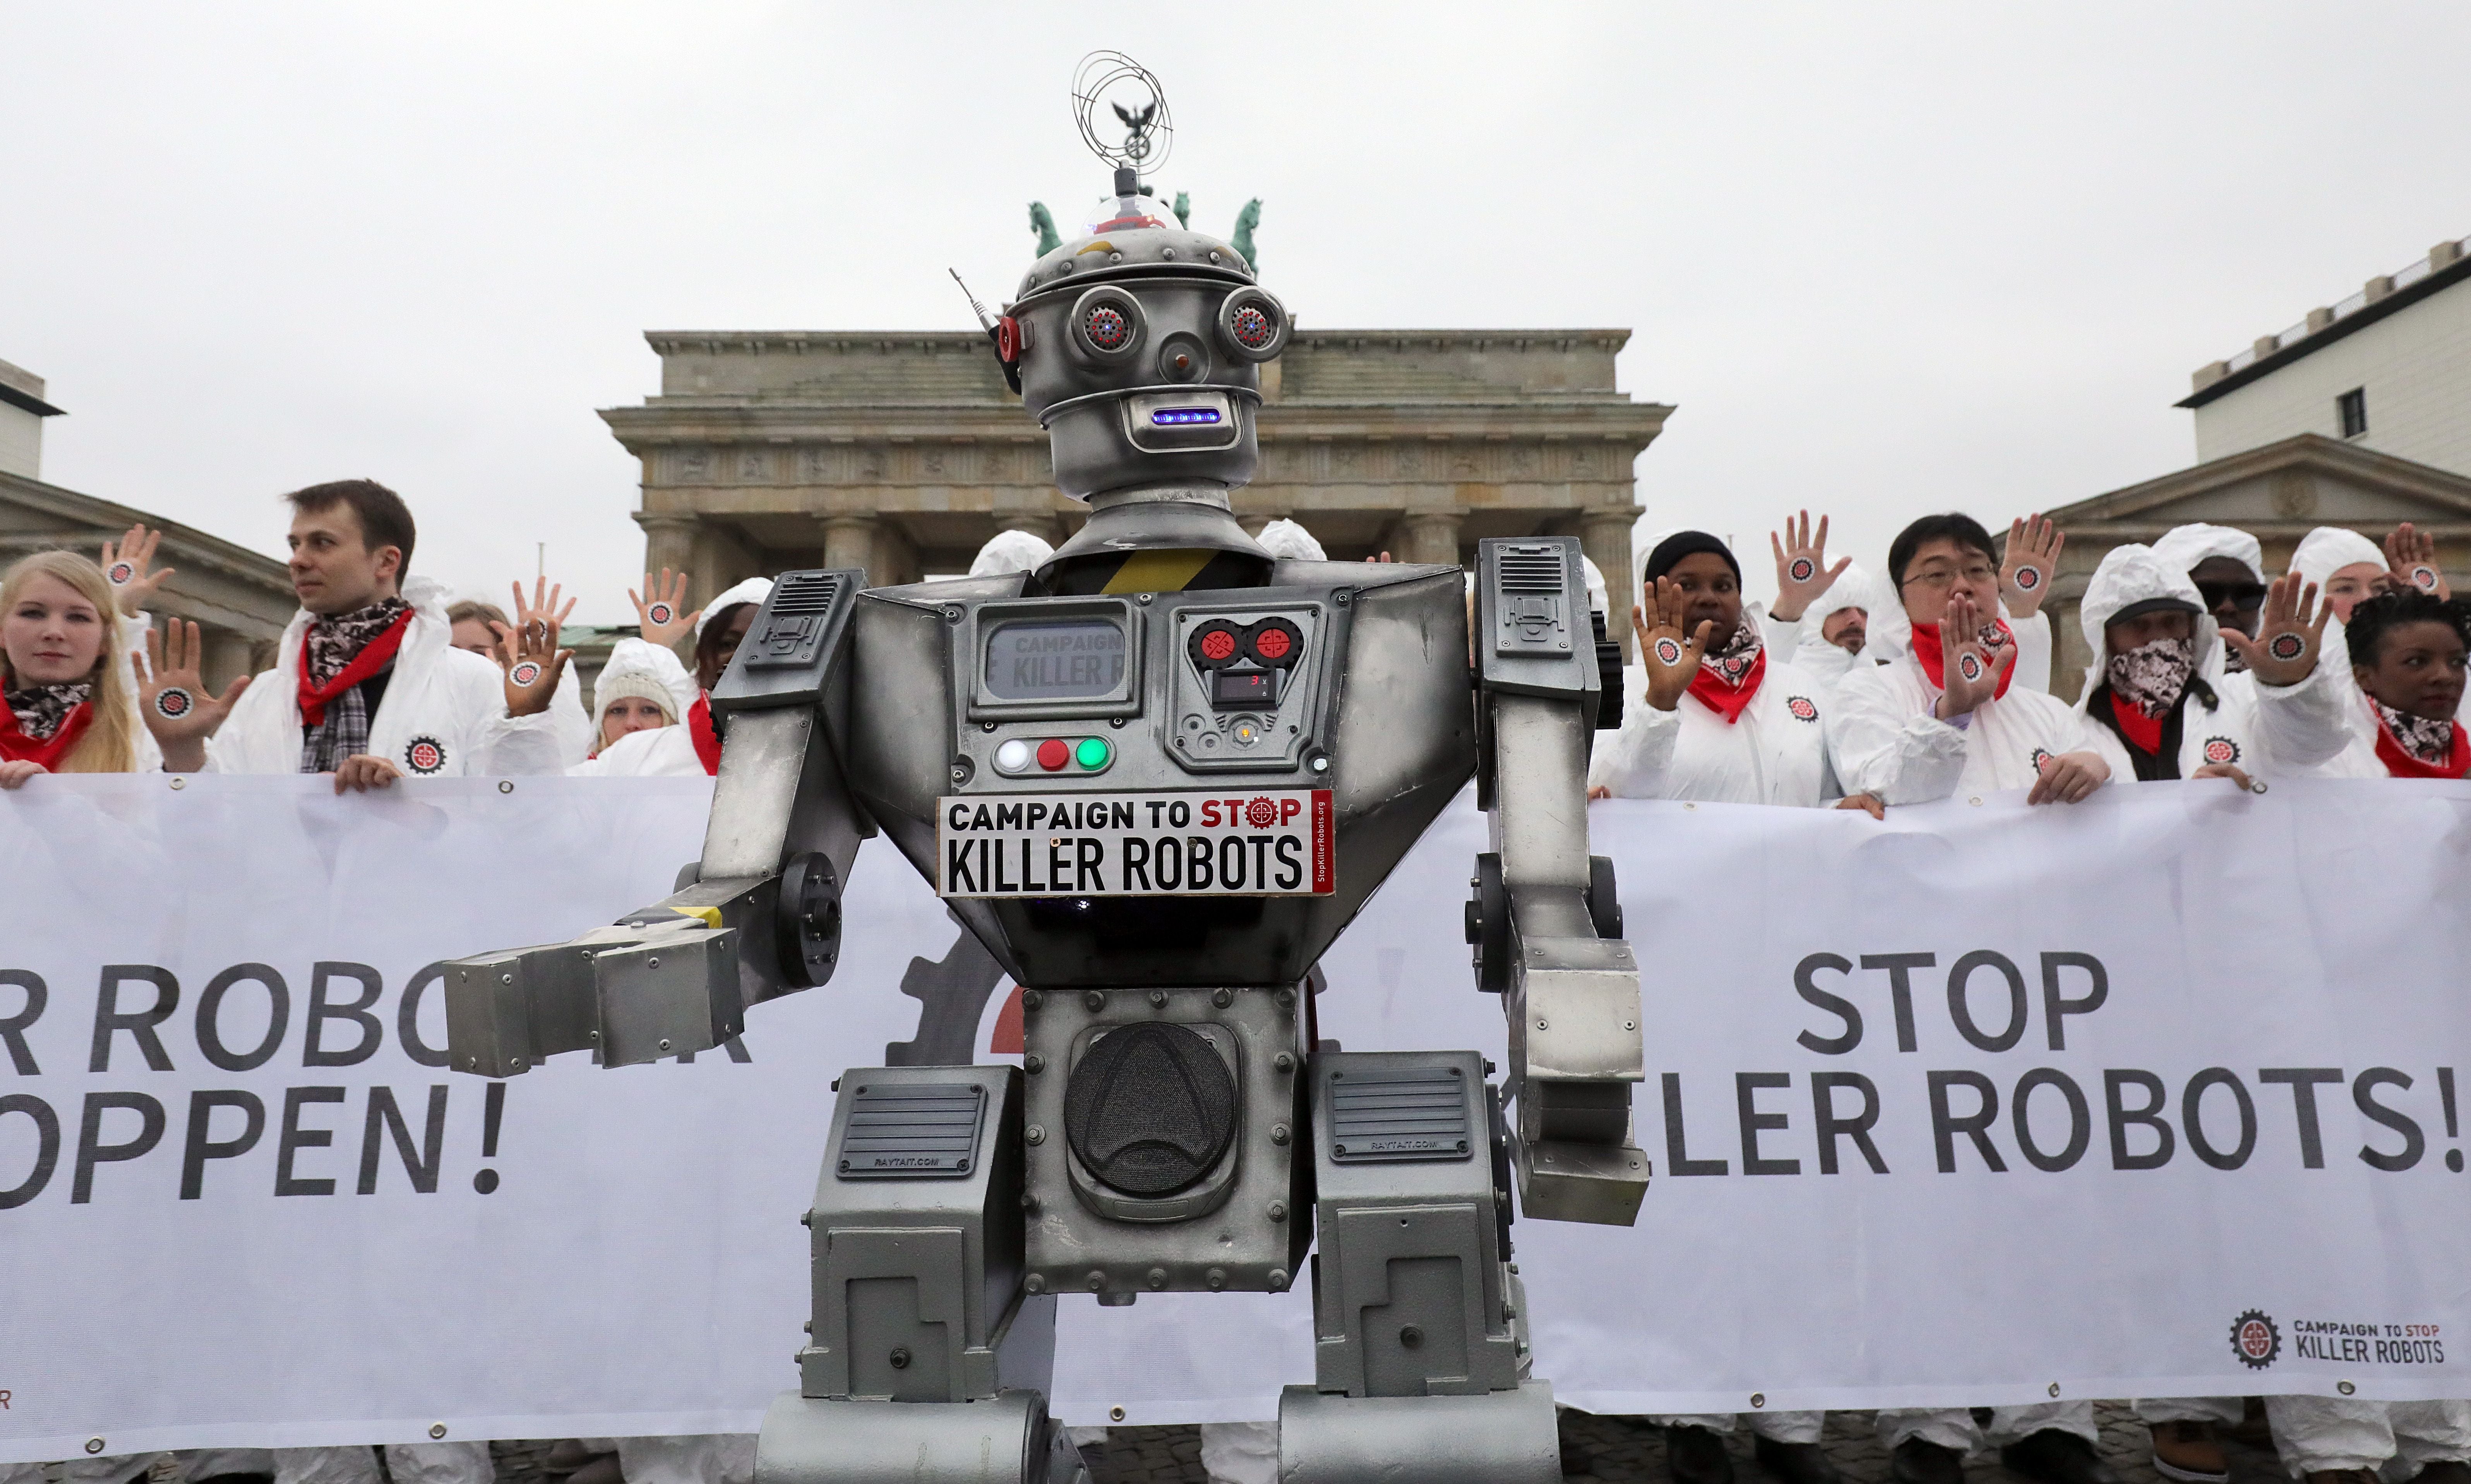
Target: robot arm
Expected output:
[758,916]
[1545,921]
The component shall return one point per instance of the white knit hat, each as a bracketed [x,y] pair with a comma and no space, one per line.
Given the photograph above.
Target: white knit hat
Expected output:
[1008,552]
[647,670]
[1289,541]
[753,590]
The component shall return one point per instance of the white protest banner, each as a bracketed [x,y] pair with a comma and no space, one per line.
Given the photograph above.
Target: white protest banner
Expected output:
[624,1258]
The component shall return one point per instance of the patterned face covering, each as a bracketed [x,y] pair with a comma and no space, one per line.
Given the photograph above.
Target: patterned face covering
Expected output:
[1732,659]
[40,709]
[2151,675]
[2429,739]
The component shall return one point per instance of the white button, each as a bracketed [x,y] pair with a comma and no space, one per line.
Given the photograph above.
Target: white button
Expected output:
[1012,757]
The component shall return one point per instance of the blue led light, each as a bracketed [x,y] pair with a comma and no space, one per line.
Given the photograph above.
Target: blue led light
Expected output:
[1175,416]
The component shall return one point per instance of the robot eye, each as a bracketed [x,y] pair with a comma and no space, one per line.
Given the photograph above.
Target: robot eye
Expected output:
[1252,325]
[1107,326]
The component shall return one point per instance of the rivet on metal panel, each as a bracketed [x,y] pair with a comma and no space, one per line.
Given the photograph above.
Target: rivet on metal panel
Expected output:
[1287,1000]
[1543,1025]
[1157,1000]
[1216,1278]
[1278,1210]
[1410,1335]
[505,979]
[1095,999]
[1277,1277]
[1283,1062]
[1158,1278]
[665,1042]
[1630,1025]
[1033,1063]
[1097,1278]
[807,1219]
[1144,599]
[1031,999]
[1036,1133]
[1278,1133]
[655,963]
[899,1357]
[1035,1284]
[1222,997]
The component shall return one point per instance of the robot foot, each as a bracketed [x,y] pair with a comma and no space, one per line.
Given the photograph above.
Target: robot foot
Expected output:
[1500,1437]
[1008,1438]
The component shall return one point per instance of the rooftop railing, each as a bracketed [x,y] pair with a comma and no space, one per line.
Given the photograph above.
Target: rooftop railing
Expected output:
[2442,255]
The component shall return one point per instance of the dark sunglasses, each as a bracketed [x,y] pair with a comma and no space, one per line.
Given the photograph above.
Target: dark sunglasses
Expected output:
[2242,596]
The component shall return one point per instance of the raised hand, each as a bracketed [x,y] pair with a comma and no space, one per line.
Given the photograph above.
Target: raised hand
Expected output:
[2411,554]
[532,663]
[1671,660]
[2033,559]
[1970,672]
[125,562]
[1802,573]
[2287,642]
[174,701]
[663,615]
[545,606]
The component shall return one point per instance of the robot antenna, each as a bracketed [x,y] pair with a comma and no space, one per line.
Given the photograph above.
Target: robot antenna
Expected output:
[1132,93]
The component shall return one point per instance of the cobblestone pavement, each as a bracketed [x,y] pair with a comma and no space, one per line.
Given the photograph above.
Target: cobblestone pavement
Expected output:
[1621,1451]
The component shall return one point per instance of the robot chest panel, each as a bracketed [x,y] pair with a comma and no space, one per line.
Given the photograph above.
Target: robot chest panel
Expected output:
[1142,744]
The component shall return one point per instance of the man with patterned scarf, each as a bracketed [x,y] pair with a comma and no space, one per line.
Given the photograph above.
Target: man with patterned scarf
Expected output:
[368,685]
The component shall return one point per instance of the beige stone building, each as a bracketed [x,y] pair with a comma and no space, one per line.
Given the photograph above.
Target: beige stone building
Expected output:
[239,599]
[2277,493]
[902,453]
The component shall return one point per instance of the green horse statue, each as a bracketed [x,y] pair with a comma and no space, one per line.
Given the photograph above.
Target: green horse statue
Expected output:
[1043,224]
[1242,242]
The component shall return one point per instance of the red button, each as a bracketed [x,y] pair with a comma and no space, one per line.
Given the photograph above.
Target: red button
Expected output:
[1053,754]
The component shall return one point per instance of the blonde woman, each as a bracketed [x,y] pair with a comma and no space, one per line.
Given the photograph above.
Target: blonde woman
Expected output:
[62,708]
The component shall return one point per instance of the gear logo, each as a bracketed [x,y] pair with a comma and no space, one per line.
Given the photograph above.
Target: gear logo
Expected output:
[1260,813]
[659,613]
[2041,758]
[2287,646]
[2028,579]
[425,754]
[1802,708]
[174,702]
[2424,579]
[1668,652]
[1804,569]
[526,672]
[121,571]
[1970,665]
[2222,750]
[2256,1339]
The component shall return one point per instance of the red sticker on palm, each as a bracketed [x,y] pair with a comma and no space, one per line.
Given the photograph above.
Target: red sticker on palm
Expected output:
[1668,652]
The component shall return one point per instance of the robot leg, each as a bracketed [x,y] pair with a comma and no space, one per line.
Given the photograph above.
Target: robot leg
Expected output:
[1421,1354]
[926,1360]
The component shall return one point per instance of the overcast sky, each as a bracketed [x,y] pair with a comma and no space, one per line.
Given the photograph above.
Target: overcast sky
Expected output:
[1883,259]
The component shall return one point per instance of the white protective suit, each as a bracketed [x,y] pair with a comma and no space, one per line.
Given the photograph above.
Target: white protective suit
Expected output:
[2323,551]
[1289,541]
[1803,641]
[640,668]
[2182,547]
[2266,731]
[1774,752]
[443,715]
[1884,740]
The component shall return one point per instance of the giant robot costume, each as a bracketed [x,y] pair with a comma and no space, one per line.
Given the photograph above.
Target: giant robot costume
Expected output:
[1156,777]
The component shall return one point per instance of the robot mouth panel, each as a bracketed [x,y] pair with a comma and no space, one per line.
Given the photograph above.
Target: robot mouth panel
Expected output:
[1182,422]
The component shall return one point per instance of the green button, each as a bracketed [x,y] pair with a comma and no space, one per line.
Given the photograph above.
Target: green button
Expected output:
[1092,754]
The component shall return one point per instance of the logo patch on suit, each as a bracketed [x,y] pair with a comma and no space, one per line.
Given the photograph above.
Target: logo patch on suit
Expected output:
[2222,750]
[425,754]
[1802,708]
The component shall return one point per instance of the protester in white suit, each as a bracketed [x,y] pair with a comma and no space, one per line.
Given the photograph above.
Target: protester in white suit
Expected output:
[1009,551]
[1716,717]
[643,688]
[479,627]
[691,749]
[2158,702]
[366,686]
[2406,650]
[1942,714]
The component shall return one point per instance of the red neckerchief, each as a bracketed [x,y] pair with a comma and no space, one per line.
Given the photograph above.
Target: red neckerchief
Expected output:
[2144,733]
[707,741]
[2399,763]
[1934,663]
[15,747]
[372,658]
[1728,696]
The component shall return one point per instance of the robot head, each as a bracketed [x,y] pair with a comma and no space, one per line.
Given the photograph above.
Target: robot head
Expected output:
[1140,351]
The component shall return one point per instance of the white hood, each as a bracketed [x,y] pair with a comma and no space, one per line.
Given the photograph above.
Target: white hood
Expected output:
[1289,541]
[2329,549]
[1599,597]
[1851,588]
[2134,573]
[753,590]
[1009,551]
[2183,546]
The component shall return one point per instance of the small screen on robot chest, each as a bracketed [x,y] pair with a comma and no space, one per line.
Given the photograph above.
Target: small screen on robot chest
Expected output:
[1055,659]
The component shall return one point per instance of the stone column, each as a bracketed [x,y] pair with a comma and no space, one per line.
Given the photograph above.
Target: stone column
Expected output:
[1429,536]
[849,541]
[669,541]
[1604,536]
